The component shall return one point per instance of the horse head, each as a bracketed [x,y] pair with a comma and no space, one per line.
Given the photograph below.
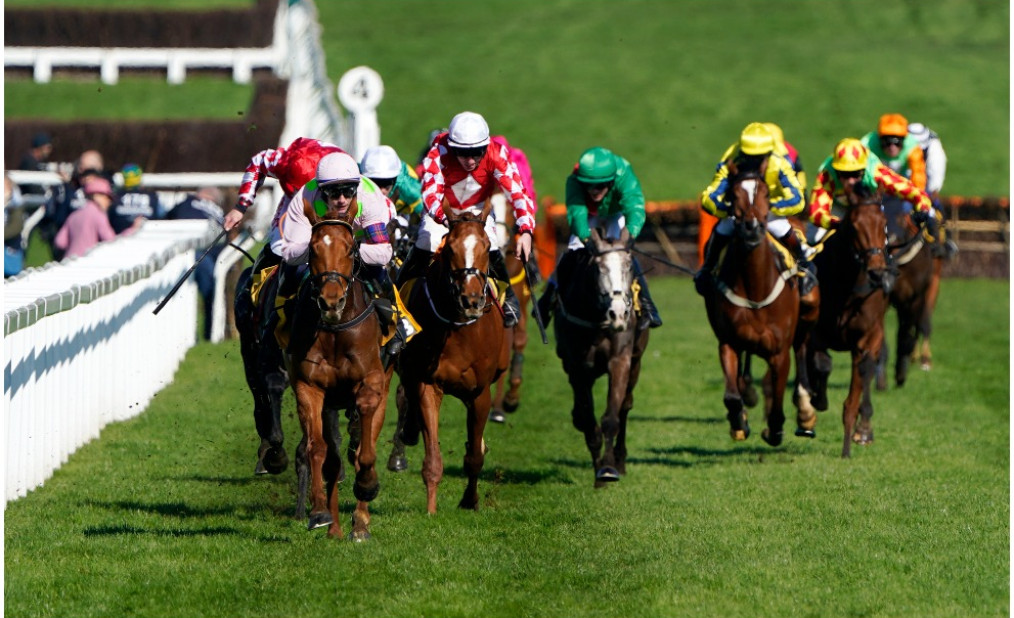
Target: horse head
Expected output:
[748,194]
[465,258]
[867,225]
[332,260]
[615,278]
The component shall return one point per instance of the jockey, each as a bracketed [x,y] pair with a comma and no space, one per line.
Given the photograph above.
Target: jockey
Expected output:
[395,179]
[293,166]
[788,151]
[460,171]
[936,170]
[603,190]
[338,186]
[852,163]
[896,149]
[756,145]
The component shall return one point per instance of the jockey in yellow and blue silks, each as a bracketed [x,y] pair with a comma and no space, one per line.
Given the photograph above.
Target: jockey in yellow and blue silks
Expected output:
[756,145]
[602,190]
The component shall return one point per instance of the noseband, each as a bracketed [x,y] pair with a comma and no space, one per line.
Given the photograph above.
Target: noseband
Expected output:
[319,280]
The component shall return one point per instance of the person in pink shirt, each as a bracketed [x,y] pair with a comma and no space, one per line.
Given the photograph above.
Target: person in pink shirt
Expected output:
[89,225]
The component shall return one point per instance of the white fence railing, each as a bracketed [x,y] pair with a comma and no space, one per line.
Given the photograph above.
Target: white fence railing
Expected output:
[83,348]
[175,61]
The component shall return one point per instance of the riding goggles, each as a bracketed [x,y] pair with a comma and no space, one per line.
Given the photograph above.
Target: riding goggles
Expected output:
[891,140]
[333,192]
[598,186]
[469,153]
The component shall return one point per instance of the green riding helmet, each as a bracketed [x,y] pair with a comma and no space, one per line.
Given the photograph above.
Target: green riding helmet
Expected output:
[596,165]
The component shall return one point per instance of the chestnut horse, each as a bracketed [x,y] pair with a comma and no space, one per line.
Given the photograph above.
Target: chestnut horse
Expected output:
[462,349]
[911,253]
[264,369]
[334,363]
[596,334]
[855,280]
[507,390]
[754,309]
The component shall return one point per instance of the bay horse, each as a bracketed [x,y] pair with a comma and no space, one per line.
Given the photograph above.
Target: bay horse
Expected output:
[911,253]
[754,310]
[335,363]
[462,349]
[855,280]
[264,369]
[507,389]
[597,334]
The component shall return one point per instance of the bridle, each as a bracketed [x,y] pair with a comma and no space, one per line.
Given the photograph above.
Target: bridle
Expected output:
[318,280]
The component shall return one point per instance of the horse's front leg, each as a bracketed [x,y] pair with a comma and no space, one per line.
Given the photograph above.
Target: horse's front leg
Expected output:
[333,469]
[863,371]
[619,378]
[430,397]
[512,399]
[476,413]
[739,428]
[779,366]
[398,460]
[806,414]
[309,404]
[583,413]
[371,400]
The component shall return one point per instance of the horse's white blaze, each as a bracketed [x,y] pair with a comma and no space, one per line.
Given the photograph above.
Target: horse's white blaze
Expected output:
[618,286]
[470,243]
[751,188]
[327,240]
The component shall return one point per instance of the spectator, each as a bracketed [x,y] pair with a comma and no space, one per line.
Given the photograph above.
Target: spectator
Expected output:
[70,197]
[14,220]
[89,225]
[135,202]
[205,204]
[36,159]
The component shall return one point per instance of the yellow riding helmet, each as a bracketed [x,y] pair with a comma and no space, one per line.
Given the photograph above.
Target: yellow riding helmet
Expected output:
[778,136]
[849,155]
[756,139]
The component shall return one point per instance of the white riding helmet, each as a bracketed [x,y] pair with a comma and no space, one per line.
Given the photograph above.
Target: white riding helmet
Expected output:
[468,130]
[335,168]
[380,162]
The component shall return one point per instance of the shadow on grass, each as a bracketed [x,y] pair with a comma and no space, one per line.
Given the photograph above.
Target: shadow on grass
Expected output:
[503,476]
[124,529]
[678,419]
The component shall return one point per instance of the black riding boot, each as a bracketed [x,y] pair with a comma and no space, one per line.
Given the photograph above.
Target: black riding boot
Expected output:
[511,305]
[387,307]
[649,313]
[703,278]
[415,265]
[289,277]
[265,259]
[809,278]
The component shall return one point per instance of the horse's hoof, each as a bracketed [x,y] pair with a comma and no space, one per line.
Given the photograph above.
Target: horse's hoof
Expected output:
[862,439]
[497,416]
[607,474]
[397,463]
[820,403]
[926,366]
[259,469]
[319,520]
[359,536]
[275,460]
[510,406]
[772,439]
[805,433]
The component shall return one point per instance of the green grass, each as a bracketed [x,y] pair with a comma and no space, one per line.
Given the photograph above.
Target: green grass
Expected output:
[132,98]
[162,515]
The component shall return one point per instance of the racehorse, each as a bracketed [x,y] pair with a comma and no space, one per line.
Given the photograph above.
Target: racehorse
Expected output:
[855,280]
[507,390]
[462,349]
[754,309]
[264,369]
[912,255]
[335,363]
[596,334]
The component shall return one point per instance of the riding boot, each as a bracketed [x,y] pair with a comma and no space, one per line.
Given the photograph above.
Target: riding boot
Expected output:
[265,259]
[415,265]
[511,305]
[704,278]
[809,271]
[649,313]
[388,307]
[547,302]
[289,276]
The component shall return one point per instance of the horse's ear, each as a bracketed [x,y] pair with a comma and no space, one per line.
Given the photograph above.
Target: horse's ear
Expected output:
[595,241]
[451,217]
[733,168]
[487,206]
[625,238]
[310,211]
